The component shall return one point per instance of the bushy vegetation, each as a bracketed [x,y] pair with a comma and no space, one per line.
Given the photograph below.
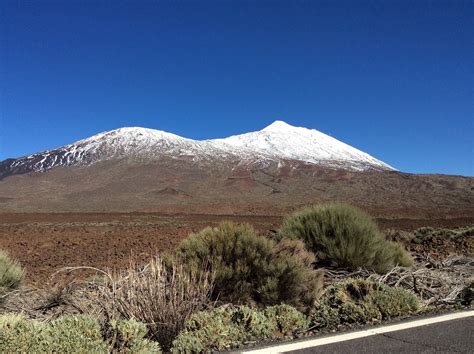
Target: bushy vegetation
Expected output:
[11,274]
[69,334]
[229,327]
[344,236]
[129,337]
[163,297]
[358,301]
[268,287]
[17,334]
[251,269]
[286,318]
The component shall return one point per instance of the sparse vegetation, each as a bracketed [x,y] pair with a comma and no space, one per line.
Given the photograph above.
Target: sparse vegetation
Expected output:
[344,236]
[251,269]
[358,301]
[267,289]
[11,274]
[426,234]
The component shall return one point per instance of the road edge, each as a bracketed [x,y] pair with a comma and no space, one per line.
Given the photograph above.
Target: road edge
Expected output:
[315,342]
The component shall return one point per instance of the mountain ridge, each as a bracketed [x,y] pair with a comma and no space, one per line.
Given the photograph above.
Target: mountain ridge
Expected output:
[278,141]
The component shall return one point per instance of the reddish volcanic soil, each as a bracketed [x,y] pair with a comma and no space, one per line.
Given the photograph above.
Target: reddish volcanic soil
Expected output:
[45,243]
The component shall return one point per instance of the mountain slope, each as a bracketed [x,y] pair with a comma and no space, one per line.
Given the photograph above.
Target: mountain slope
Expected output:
[279,141]
[272,171]
[179,185]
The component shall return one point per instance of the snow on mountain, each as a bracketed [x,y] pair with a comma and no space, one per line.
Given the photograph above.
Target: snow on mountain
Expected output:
[281,140]
[278,141]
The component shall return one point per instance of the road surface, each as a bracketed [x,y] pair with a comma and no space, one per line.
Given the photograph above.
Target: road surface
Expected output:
[452,335]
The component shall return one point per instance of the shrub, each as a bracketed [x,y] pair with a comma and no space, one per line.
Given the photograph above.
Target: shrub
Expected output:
[361,301]
[208,330]
[299,284]
[70,334]
[161,297]
[287,318]
[130,338]
[17,334]
[344,236]
[253,324]
[65,335]
[229,327]
[252,269]
[11,274]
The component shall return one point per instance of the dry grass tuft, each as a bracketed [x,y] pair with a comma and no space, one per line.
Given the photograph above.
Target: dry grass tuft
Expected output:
[162,297]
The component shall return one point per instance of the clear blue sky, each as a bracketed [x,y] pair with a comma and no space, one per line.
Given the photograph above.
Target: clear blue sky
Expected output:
[392,78]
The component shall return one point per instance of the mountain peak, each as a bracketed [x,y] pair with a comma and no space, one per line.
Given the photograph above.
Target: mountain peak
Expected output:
[278,125]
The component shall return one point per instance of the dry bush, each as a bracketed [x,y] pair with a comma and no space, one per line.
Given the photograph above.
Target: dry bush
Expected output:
[54,300]
[437,283]
[161,297]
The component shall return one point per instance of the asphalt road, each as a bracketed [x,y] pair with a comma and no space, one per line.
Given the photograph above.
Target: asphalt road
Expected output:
[456,336]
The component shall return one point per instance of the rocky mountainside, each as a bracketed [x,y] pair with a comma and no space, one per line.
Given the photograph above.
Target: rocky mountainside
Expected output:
[279,141]
[271,172]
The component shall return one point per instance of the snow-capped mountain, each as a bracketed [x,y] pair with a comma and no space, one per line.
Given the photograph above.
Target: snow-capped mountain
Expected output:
[283,141]
[279,141]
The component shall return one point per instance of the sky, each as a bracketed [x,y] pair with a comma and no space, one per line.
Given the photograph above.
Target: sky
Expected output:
[392,78]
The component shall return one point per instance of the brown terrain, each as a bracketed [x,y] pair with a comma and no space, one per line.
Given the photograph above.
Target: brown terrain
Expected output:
[104,214]
[182,186]
[45,243]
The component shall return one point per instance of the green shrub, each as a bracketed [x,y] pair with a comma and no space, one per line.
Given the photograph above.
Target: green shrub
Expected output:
[287,318]
[253,324]
[130,338]
[229,327]
[395,302]
[208,330]
[71,334]
[344,236]
[17,334]
[252,269]
[187,343]
[11,274]
[361,301]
